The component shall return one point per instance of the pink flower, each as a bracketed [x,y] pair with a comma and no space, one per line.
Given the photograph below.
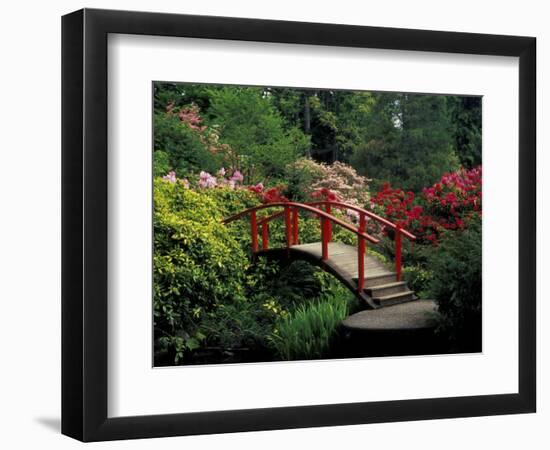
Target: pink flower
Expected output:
[221,172]
[352,214]
[237,176]
[170,176]
[206,180]
[258,189]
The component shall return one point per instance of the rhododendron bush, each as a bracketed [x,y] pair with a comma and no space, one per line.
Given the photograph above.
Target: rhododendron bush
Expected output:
[307,177]
[449,204]
[209,136]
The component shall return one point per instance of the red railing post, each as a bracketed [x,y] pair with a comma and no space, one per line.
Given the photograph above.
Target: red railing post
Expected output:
[324,237]
[328,210]
[295,226]
[288,227]
[265,235]
[361,244]
[254,231]
[398,252]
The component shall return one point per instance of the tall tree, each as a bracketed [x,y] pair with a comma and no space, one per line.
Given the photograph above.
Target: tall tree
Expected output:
[408,141]
[253,127]
[466,119]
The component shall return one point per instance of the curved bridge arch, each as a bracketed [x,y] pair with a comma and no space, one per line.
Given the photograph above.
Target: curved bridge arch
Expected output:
[369,279]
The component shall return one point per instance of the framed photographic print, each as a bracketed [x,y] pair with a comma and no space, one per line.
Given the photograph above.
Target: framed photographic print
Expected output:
[274,224]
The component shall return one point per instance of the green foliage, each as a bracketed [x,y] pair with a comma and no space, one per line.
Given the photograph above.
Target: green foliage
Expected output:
[231,201]
[197,266]
[252,126]
[241,325]
[418,279]
[308,332]
[338,121]
[161,163]
[180,94]
[466,126]
[181,148]
[408,141]
[300,176]
[456,286]
[291,284]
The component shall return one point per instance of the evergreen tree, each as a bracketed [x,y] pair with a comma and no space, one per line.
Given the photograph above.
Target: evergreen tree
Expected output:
[408,141]
[466,120]
[249,122]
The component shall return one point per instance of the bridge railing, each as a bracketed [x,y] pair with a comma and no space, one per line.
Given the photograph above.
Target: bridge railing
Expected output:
[290,212]
[363,215]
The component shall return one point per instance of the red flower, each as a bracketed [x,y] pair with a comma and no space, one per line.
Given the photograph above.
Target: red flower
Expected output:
[325,194]
[273,195]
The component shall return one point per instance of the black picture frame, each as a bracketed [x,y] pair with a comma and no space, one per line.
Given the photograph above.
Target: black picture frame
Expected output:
[84,224]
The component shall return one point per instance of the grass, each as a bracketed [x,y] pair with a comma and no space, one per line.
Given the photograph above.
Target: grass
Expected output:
[308,332]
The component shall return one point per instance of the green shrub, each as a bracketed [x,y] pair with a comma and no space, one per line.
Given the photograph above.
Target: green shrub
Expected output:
[308,331]
[456,286]
[161,163]
[304,176]
[230,202]
[290,284]
[182,148]
[308,226]
[300,176]
[254,128]
[418,279]
[241,325]
[197,265]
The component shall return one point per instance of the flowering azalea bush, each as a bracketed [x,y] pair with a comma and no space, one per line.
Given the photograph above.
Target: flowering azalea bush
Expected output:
[209,136]
[455,199]
[450,204]
[206,180]
[326,194]
[400,208]
[307,177]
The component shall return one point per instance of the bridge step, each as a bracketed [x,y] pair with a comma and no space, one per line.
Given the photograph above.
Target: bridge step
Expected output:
[378,279]
[383,290]
[394,299]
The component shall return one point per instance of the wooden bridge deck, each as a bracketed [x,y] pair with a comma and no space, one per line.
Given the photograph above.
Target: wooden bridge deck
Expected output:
[381,285]
[343,259]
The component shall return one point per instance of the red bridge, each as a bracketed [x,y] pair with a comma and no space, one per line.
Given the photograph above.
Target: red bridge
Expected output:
[365,275]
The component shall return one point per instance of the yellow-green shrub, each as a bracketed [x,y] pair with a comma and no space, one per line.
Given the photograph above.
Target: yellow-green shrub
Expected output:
[197,265]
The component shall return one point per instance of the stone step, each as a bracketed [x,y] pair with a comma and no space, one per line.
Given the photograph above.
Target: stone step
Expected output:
[383,290]
[415,315]
[378,279]
[394,299]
